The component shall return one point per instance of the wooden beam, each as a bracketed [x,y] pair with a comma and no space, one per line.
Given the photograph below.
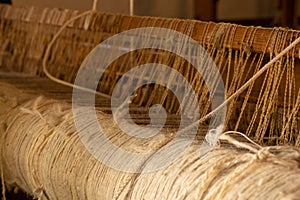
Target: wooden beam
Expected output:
[263,39]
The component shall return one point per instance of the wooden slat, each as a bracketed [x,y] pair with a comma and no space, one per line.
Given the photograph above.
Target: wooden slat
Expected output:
[202,30]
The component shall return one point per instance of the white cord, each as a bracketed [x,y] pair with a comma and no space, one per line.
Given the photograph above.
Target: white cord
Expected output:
[131,7]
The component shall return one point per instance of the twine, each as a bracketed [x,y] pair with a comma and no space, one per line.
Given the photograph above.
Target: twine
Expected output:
[251,80]
[214,183]
[48,50]
[40,125]
[249,112]
[2,179]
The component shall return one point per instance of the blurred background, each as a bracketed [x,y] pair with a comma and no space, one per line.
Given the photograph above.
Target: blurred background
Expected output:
[245,12]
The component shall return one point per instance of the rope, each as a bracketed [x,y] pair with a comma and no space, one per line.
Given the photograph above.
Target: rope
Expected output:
[252,79]
[212,176]
[46,56]
[2,181]
[131,9]
[95,5]
[213,112]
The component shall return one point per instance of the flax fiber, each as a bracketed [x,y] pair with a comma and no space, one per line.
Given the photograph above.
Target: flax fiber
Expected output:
[267,110]
[41,151]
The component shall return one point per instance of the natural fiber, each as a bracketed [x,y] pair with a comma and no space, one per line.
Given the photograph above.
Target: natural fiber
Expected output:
[267,111]
[42,154]
[41,151]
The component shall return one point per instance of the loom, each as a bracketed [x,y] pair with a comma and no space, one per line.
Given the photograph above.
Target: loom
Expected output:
[254,156]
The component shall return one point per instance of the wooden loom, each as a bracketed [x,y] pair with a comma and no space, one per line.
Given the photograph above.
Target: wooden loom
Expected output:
[42,154]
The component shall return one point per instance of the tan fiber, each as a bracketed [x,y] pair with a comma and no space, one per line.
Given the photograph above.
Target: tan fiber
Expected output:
[42,154]
[267,111]
[40,148]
